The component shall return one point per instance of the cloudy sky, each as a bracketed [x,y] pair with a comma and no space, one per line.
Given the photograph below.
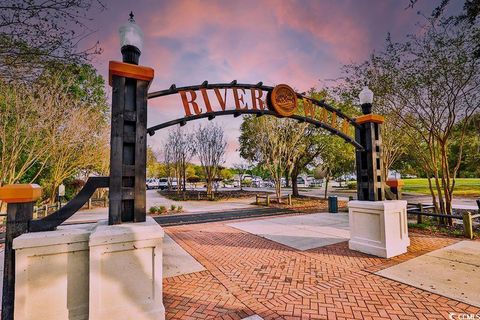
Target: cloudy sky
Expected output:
[301,43]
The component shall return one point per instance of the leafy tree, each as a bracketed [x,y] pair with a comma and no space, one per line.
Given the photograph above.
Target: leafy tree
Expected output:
[337,158]
[272,142]
[432,86]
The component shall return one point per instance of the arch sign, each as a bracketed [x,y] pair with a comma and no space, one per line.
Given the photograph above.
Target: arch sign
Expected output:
[211,100]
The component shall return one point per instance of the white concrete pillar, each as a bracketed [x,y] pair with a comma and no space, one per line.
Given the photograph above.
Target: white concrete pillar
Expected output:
[51,280]
[378,228]
[126,271]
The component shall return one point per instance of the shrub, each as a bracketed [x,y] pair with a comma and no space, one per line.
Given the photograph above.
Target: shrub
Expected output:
[173,207]
[162,209]
[352,185]
[179,208]
[153,209]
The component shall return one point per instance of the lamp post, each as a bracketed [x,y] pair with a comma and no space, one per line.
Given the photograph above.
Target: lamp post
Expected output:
[369,163]
[128,140]
[131,41]
[366,100]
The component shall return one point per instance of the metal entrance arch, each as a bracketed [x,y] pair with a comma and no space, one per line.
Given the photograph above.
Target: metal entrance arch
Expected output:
[259,112]
[130,83]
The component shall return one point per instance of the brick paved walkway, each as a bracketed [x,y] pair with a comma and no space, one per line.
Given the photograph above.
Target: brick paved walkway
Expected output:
[247,275]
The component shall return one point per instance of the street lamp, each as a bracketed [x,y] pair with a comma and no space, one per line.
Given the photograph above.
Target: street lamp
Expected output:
[366,99]
[131,41]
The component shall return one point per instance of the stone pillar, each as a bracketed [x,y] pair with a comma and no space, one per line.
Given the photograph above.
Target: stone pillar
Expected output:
[126,271]
[128,141]
[52,274]
[370,180]
[378,228]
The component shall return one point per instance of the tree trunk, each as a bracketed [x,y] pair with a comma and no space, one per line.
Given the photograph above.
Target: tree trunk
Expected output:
[278,190]
[287,180]
[326,186]
[295,183]
[209,187]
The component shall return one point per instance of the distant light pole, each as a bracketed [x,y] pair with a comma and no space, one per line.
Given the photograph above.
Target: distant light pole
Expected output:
[366,100]
[131,41]
[61,193]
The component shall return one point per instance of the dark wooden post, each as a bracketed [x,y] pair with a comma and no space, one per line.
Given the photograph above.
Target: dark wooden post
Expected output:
[128,142]
[370,180]
[420,216]
[20,200]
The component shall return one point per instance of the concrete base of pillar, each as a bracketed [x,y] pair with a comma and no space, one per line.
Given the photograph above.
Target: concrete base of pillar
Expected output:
[126,271]
[51,274]
[378,228]
[90,272]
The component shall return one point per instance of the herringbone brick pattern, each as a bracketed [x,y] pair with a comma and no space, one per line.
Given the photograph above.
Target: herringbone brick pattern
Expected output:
[247,274]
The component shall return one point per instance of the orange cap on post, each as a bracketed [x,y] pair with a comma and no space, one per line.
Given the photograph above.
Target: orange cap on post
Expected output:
[376,118]
[129,70]
[20,193]
[395,183]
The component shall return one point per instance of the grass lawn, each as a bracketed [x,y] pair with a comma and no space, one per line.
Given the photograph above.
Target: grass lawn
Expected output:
[463,187]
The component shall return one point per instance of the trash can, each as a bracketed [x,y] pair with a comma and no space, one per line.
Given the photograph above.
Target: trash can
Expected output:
[332,204]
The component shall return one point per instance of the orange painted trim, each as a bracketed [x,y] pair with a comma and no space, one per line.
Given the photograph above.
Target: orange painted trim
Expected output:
[376,118]
[395,183]
[19,193]
[129,70]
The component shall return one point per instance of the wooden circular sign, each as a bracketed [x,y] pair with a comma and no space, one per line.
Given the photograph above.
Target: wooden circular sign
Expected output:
[283,100]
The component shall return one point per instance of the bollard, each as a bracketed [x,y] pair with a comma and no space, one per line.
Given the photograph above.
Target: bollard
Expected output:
[256,199]
[20,199]
[467,225]
[289,199]
[268,200]
[89,205]
[419,216]
[332,204]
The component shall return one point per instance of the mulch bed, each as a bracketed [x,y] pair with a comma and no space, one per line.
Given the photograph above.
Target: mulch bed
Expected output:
[307,204]
[202,195]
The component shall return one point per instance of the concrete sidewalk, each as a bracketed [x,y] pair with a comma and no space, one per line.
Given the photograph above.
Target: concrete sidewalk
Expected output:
[452,272]
[300,232]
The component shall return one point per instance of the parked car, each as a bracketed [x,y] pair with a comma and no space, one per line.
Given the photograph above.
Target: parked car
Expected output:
[153,183]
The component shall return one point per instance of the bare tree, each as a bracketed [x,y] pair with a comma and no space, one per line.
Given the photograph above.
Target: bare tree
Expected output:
[210,147]
[178,153]
[34,34]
